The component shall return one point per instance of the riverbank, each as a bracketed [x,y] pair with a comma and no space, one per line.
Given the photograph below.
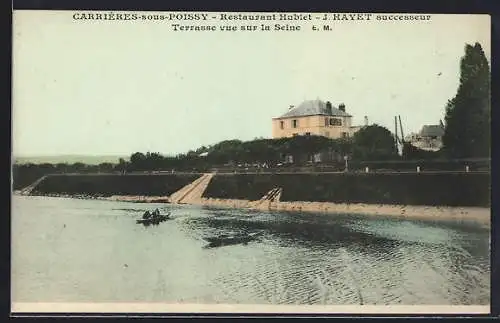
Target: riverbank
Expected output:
[433,189]
[455,197]
[479,215]
[117,198]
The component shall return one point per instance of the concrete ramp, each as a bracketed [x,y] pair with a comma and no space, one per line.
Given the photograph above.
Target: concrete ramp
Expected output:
[192,192]
[28,189]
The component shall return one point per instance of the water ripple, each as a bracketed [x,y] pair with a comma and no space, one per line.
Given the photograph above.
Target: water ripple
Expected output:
[296,259]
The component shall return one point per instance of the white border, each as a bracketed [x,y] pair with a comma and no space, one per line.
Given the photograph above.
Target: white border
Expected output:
[243,308]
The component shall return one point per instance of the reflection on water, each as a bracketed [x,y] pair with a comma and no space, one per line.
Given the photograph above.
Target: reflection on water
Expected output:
[78,250]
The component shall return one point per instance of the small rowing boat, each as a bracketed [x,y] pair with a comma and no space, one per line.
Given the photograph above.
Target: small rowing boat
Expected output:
[154,218]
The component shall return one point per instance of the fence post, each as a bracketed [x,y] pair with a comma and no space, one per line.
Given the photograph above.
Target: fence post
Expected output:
[467,168]
[367,169]
[418,169]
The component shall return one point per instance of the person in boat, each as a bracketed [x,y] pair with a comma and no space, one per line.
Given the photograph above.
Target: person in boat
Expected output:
[156,213]
[146,215]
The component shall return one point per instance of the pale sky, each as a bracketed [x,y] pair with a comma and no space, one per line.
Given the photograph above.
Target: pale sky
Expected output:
[117,87]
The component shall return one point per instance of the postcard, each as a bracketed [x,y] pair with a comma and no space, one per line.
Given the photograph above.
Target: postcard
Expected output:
[250,162]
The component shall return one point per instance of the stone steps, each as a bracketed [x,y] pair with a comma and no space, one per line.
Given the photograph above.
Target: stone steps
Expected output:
[273,196]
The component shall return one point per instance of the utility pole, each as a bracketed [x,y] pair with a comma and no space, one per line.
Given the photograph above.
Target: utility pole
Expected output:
[396,133]
[401,126]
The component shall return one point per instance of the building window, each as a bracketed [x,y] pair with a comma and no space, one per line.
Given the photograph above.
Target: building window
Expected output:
[308,133]
[326,122]
[345,135]
[282,124]
[335,122]
[295,123]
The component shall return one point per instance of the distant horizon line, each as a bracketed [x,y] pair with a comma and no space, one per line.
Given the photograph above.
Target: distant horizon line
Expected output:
[69,155]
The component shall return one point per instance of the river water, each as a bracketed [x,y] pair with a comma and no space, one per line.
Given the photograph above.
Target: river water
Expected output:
[71,250]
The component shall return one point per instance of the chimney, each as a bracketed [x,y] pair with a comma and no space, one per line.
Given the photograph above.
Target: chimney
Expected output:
[329,107]
[342,107]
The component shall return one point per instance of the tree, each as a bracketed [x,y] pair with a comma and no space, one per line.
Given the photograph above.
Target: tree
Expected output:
[343,147]
[105,167]
[78,167]
[374,142]
[153,161]
[137,161]
[122,165]
[61,167]
[467,121]
[315,144]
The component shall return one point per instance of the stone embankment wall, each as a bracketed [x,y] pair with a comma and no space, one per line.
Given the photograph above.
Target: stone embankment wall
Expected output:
[431,189]
[109,185]
[427,189]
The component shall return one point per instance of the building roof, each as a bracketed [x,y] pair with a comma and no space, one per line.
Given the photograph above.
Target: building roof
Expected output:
[432,131]
[313,107]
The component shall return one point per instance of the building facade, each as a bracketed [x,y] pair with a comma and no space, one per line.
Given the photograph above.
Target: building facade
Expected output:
[314,117]
[429,138]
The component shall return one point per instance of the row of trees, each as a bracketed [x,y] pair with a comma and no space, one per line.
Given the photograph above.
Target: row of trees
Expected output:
[370,143]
